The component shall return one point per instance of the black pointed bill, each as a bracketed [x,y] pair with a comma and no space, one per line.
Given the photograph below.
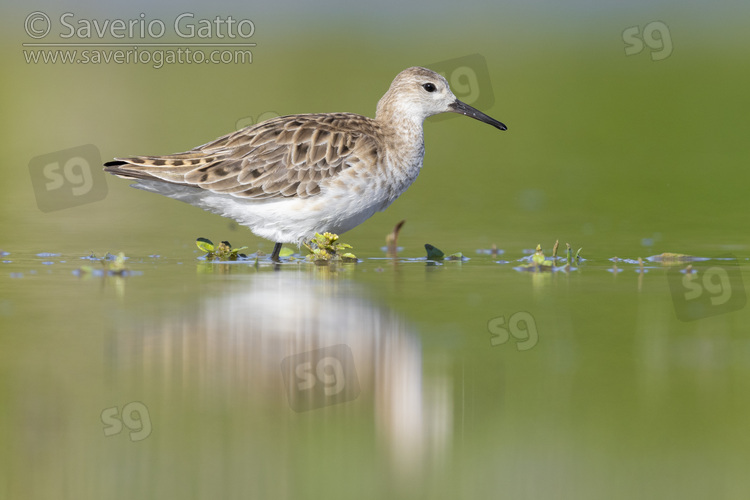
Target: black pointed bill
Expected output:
[465,109]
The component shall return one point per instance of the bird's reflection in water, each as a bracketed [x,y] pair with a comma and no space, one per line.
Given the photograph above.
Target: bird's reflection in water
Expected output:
[287,347]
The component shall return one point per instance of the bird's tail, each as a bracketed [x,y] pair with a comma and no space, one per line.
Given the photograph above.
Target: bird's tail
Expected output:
[168,168]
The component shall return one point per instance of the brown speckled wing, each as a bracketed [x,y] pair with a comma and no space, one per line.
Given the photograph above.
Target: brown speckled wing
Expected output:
[283,157]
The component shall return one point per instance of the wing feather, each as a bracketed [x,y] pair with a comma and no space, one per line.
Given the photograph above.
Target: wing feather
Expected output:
[288,156]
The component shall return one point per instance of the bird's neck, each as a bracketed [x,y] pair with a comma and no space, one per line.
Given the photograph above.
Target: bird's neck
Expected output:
[408,136]
[402,160]
[401,126]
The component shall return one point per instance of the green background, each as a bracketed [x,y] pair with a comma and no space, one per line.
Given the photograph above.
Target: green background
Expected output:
[620,154]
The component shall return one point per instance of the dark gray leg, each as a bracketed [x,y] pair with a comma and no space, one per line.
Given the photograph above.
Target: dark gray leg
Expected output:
[276,252]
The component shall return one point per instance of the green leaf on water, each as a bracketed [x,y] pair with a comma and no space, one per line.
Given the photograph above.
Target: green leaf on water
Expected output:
[539,262]
[205,245]
[349,257]
[286,252]
[118,265]
[538,258]
[433,253]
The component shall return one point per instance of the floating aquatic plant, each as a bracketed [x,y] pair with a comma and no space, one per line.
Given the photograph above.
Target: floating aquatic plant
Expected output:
[668,258]
[221,252]
[324,248]
[539,262]
[434,253]
[569,254]
[117,266]
[112,265]
[286,252]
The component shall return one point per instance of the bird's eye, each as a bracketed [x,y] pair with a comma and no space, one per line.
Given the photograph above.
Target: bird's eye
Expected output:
[429,87]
